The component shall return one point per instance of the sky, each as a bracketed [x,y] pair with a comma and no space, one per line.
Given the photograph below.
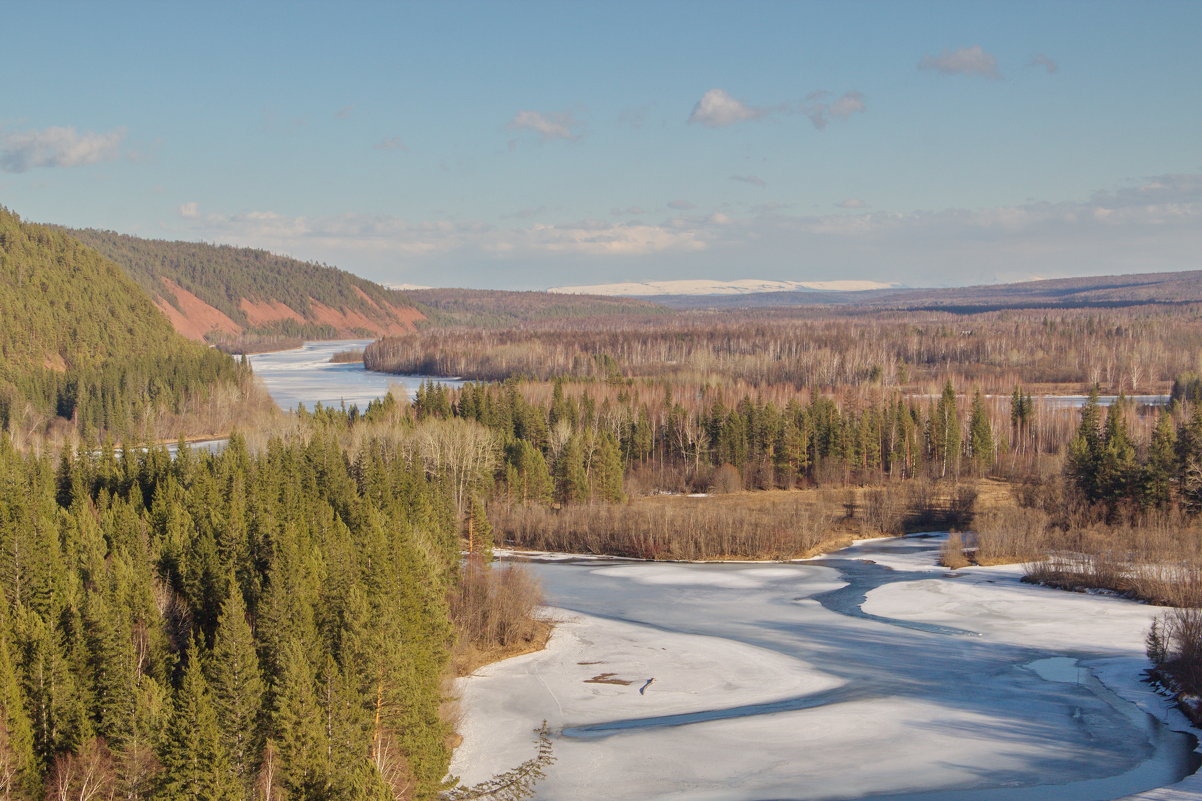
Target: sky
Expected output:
[528,145]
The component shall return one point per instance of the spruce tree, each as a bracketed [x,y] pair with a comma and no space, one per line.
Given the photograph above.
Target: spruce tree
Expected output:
[1160,468]
[237,687]
[571,478]
[980,433]
[195,763]
[1085,450]
[299,728]
[608,471]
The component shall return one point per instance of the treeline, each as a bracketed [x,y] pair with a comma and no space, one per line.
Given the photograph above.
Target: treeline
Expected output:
[238,626]
[1109,469]
[487,308]
[222,276]
[570,442]
[1121,513]
[1132,350]
[82,346]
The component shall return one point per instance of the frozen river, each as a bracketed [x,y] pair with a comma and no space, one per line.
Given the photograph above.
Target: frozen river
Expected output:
[305,376]
[870,674]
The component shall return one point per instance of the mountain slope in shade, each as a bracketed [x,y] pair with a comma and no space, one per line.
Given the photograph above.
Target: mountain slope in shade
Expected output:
[742,286]
[219,292]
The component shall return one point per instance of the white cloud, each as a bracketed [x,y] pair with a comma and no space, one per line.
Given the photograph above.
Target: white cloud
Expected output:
[1048,63]
[681,205]
[548,125]
[58,147]
[852,203]
[754,180]
[189,210]
[964,61]
[717,109]
[391,143]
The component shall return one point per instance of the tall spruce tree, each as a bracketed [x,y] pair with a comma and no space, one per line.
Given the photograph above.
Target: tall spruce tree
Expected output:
[195,763]
[237,688]
[981,444]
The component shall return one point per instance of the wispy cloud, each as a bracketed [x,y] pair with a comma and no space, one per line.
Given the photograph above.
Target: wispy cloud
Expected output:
[391,143]
[58,147]
[345,112]
[964,61]
[1047,62]
[1148,226]
[548,125]
[367,235]
[717,109]
[189,210]
[821,110]
[681,205]
[852,203]
[754,180]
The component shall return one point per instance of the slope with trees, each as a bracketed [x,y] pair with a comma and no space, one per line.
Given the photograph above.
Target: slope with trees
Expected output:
[243,297]
[82,347]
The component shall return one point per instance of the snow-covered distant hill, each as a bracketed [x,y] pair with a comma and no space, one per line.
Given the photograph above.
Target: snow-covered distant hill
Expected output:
[742,286]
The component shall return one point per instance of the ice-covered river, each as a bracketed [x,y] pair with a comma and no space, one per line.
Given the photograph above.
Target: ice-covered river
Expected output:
[838,678]
[305,375]
[871,674]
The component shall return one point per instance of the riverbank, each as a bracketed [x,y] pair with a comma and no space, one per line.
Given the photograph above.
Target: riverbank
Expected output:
[943,677]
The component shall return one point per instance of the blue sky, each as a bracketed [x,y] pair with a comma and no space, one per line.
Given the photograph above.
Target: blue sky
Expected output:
[527,145]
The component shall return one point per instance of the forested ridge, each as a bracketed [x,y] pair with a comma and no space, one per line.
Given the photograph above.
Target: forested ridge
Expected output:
[226,277]
[269,625]
[81,344]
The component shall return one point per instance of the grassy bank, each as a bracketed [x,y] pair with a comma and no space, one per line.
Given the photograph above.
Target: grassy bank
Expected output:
[763,525]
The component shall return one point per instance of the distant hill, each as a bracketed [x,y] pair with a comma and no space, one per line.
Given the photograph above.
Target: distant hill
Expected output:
[81,343]
[226,294]
[1110,291]
[741,286]
[486,308]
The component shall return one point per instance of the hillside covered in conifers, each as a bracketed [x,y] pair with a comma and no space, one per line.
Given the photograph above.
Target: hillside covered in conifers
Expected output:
[244,298]
[81,345]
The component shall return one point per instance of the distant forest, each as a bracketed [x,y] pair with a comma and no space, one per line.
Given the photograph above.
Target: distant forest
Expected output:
[485,308]
[1133,350]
